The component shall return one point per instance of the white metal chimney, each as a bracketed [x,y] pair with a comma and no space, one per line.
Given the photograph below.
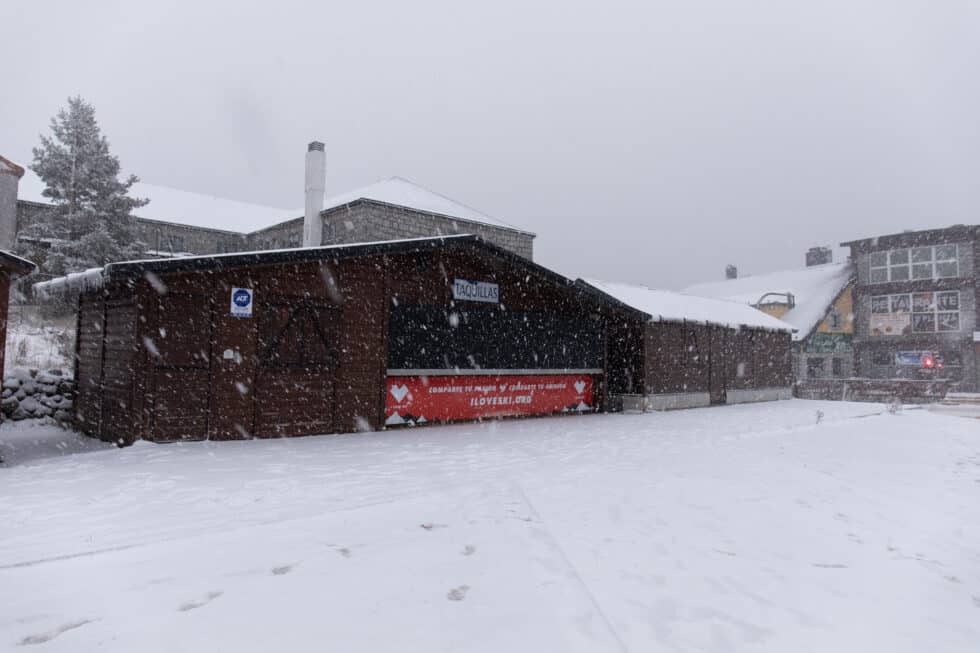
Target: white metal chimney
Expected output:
[316,172]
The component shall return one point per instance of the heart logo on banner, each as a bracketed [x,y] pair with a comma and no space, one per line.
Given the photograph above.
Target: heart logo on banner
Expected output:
[399,392]
[579,386]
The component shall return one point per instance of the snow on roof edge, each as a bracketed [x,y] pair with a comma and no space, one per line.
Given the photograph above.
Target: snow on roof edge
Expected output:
[670,306]
[90,279]
[94,278]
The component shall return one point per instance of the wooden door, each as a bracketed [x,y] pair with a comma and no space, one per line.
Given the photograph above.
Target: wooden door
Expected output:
[179,348]
[295,391]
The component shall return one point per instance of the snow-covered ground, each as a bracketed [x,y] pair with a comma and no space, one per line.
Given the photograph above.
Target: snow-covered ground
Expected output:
[742,528]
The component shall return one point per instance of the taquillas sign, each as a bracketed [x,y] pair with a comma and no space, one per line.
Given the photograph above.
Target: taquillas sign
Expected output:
[476,291]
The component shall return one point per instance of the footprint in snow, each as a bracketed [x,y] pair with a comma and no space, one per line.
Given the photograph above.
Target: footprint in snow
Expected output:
[430,526]
[344,551]
[829,565]
[976,601]
[469,550]
[283,570]
[458,593]
[193,605]
[41,638]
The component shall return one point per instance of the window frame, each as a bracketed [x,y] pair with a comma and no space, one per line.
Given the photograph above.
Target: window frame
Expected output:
[882,272]
[916,312]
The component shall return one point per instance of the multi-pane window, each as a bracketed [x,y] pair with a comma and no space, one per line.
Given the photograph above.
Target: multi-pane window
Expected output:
[929,262]
[921,312]
[834,320]
[815,367]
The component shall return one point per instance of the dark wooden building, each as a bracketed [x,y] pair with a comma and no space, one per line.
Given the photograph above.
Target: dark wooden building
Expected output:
[333,339]
[668,350]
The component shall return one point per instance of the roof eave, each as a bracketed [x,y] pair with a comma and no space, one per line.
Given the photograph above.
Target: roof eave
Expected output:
[15,265]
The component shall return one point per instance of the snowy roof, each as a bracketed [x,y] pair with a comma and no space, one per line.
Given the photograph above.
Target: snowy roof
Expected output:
[675,307]
[91,279]
[401,192]
[814,289]
[209,212]
[15,265]
[95,278]
[181,207]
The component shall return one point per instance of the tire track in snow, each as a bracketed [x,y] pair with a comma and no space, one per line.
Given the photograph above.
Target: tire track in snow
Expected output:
[571,567]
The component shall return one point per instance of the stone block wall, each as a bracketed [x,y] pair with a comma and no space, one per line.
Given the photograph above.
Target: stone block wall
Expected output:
[168,236]
[366,221]
[357,222]
[35,394]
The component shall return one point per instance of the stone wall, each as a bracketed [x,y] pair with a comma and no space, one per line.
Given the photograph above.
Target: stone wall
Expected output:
[357,222]
[170,237]
[368,221]
[33,394]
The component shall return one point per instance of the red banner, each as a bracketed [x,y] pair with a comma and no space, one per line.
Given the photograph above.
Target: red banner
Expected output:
[420,399]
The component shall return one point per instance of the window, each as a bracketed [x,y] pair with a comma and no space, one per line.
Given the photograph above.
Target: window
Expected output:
[952,358]
[815,367]
[948,310]
[921,312]
[837,365]
[176,243]
[930,262]
[882,358]
[834,321]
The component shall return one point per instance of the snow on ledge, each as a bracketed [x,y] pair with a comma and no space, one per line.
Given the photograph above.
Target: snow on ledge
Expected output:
[91,279]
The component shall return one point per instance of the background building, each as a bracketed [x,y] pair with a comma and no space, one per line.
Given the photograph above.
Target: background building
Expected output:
[179,223]
[915,305]
[816,300]
[669,350]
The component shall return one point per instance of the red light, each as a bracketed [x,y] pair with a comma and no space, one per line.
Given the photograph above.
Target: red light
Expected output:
[928,361]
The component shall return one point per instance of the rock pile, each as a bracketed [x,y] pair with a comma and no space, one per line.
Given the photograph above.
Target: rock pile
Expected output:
[33,394]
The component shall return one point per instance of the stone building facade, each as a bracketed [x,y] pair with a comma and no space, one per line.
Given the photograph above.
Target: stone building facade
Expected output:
[388,210]
[915,303]
[365,220]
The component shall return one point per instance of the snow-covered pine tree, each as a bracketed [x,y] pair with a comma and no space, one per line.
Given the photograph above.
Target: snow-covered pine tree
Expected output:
[91,221]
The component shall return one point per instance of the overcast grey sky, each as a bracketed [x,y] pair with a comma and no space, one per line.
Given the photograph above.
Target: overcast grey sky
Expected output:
[649,141]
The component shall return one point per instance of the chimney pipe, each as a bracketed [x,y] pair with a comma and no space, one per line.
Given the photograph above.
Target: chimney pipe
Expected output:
[731,272]
[316,169]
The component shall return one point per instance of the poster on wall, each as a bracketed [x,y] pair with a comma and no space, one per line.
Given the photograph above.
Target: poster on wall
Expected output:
[891,324]
[241,302]
[421,399]
[909,357]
